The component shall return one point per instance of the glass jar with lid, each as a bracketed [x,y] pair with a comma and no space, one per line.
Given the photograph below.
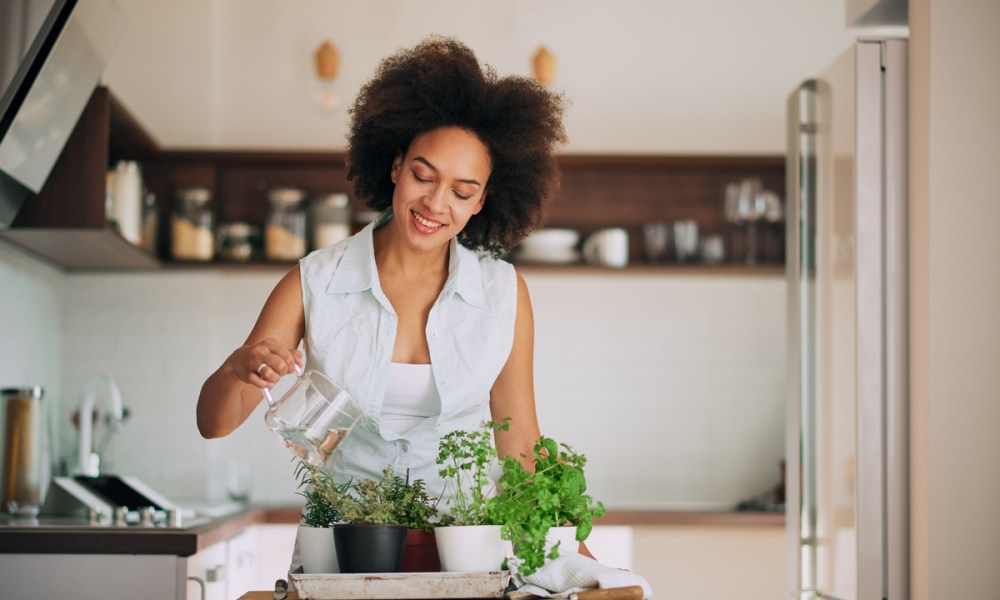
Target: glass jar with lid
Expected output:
[192,235]
[237,242]
[331,219]
[285,229]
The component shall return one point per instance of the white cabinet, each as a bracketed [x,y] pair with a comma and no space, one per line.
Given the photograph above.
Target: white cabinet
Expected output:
[206,573]
[243,563]
[277,542]
[90,577]
[711,561]
[250,560]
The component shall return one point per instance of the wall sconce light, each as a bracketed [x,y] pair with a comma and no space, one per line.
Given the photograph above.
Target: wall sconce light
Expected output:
[327,67]
[544,65]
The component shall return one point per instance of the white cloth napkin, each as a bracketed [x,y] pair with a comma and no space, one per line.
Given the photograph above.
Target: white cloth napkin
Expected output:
[568,574]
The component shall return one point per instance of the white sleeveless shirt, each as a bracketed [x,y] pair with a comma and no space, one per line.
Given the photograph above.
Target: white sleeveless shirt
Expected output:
[410,398]
[350,331]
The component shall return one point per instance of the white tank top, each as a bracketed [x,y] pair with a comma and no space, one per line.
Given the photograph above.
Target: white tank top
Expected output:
[410,398]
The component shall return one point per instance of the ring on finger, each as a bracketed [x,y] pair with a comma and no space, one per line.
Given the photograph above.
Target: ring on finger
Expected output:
[261,367]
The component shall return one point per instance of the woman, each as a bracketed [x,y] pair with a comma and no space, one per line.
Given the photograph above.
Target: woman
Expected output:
[415,315]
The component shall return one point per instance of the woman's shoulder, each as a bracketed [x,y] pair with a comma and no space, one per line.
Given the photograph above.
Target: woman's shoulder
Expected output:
[322,263]
[498,278]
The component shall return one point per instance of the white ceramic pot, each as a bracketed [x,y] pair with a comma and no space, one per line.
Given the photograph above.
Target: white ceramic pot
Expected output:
[471,547]
[317,550]
[565,537]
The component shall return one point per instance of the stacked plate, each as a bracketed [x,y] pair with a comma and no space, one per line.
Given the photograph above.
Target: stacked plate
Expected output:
[551,246]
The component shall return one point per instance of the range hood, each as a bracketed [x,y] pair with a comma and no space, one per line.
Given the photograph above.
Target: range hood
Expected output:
[47,77]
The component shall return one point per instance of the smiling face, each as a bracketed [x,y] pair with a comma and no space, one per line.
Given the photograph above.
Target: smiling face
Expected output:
[440,185]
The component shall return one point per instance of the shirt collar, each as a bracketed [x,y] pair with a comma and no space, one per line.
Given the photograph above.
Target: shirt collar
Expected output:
[357,271]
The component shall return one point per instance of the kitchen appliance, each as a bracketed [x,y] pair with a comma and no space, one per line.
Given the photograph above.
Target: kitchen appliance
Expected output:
[47,74]
[24,450]
[847,499]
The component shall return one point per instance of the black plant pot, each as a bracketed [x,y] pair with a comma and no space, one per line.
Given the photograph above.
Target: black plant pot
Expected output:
[370,548]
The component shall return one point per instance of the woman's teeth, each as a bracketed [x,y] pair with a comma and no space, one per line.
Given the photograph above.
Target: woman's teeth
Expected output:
[425,222]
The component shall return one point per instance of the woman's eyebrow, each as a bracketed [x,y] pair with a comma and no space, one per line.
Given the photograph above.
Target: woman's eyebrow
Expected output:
[433,168]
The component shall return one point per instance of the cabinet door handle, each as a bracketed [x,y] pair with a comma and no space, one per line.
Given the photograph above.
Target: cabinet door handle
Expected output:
[218,573]
[201,584]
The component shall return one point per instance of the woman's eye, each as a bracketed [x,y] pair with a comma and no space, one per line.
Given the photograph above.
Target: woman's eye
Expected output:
[460,196]
[419,178]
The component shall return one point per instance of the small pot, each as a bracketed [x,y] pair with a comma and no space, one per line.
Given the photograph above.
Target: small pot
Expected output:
[471,547]
[370,548]
[316,549]
[421,553]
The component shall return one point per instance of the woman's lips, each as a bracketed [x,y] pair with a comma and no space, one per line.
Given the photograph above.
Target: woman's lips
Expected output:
[424,224]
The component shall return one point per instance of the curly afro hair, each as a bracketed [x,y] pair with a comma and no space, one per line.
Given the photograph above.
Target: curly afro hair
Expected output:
[441,83]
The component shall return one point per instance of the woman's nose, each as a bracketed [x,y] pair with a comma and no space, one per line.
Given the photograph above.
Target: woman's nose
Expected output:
[437,199]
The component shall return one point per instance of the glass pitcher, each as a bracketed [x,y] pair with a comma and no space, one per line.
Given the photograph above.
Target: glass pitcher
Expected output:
[313,417]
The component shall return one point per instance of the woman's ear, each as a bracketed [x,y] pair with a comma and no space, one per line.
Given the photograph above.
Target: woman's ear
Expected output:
[482,201]
[397,163]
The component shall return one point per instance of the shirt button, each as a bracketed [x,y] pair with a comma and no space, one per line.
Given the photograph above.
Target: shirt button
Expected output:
[404,447]
[434,334]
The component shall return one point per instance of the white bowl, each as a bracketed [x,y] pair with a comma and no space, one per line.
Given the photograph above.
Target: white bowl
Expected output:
[551,238]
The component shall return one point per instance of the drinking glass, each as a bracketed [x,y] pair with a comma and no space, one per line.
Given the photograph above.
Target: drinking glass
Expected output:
[239,480]
[685,240]
[751,208]
[656,237]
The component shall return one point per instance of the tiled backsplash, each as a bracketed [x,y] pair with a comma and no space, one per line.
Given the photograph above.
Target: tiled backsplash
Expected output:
[671,384]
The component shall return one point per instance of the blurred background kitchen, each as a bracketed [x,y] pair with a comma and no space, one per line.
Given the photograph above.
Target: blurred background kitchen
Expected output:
[663,359]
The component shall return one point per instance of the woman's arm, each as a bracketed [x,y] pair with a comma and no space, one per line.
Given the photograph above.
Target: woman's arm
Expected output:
[513,393]
[231,393]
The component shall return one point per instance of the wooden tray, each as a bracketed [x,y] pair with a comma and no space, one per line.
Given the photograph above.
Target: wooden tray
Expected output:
[390,586]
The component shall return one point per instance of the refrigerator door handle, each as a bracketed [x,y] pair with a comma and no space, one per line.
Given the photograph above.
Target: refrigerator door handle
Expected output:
[800,494]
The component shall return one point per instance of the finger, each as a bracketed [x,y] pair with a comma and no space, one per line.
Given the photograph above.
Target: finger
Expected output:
[258,381]
[271,371]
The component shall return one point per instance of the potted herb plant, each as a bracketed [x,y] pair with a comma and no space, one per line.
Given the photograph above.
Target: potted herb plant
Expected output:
[469,539]
[317,550]
[377,516]
[416,509]
[532,505]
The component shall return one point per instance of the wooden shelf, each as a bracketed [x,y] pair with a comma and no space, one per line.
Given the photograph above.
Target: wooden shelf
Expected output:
[66,222]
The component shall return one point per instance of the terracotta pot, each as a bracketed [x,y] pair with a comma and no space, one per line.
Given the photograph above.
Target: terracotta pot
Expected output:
[421,553]
[370,548]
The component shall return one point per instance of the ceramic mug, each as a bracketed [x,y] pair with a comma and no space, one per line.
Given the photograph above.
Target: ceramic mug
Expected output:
[608,247]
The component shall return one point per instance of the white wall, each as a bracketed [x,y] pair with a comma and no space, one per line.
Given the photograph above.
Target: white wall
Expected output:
[672,385]
[955,124]
[643,76]
[31,331]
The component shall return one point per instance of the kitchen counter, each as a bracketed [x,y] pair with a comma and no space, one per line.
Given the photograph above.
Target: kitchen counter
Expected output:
[62,535]
[71,536]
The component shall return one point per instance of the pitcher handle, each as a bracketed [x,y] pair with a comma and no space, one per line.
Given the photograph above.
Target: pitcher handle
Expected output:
[267,391]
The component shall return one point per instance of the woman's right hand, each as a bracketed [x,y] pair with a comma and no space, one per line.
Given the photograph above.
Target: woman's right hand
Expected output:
[263,363]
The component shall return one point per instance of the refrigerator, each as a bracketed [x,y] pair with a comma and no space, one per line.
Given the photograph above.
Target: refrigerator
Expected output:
[847,442]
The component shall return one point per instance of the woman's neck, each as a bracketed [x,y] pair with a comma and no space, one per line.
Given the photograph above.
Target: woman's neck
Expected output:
[393,256]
